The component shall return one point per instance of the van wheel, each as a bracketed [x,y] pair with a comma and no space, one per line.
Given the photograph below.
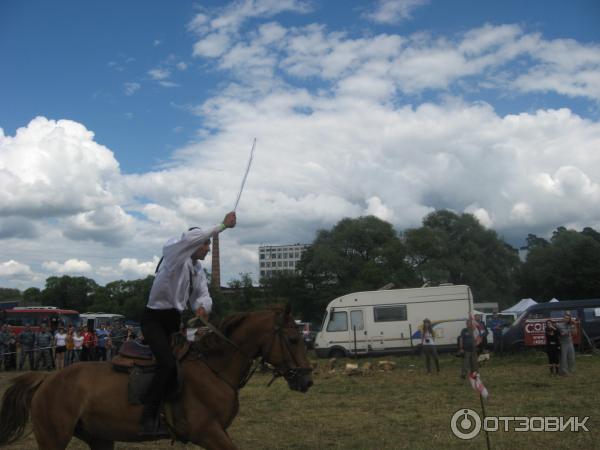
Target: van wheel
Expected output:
[337,353]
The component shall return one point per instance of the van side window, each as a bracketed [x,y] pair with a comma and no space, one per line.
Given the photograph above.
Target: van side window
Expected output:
[389,313]
[539,314]
[592,314]
[338,321]
[559,313]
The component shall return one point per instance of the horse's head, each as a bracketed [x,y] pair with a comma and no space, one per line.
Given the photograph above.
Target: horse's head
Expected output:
[284,349]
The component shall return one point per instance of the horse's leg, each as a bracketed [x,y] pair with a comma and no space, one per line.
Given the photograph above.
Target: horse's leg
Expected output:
[215,438]
[48,440]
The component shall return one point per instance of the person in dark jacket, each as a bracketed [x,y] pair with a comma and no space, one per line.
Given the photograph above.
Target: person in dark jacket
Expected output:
[467,346]
[552,346]
[27,343]
[10,363]
[4,346]
[43,343]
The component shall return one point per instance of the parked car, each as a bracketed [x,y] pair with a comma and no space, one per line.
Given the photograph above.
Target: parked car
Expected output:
[587,312]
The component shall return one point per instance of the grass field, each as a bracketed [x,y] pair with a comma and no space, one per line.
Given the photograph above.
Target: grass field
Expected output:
[406,409]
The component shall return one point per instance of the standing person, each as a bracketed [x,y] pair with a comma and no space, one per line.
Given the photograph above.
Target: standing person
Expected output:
[4,339]
[69,346]
[179,278]
[468,349]
[552,346]
[497,326]
[108,344]
[428,343]
[60,344]
[567,350]
[77,345]
[118,334]
[26,341]
[11,362]
[482,331]
[89,345]
[101,334]
[43,342]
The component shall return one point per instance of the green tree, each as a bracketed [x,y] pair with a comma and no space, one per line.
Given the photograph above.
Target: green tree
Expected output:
[358,254]
[32,296]
[290,287]
[69,292]
[567,268]
[458,249]
[9,294]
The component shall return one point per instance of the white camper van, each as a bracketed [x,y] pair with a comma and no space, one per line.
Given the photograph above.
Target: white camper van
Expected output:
[389,321]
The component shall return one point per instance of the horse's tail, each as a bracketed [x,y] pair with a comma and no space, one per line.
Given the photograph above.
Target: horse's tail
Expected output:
[16,403]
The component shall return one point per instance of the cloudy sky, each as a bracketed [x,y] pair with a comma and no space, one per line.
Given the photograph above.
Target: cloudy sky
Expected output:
[124,123]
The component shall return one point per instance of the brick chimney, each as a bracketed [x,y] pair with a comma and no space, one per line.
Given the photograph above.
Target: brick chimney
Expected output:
[215,276]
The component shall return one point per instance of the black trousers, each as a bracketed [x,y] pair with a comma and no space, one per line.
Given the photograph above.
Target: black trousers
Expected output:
[157,327]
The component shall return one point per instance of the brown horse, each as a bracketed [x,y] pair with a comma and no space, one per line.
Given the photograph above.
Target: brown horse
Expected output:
[89,400]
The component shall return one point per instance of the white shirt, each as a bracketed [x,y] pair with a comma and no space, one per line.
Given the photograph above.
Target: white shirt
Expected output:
[60,339]
[428,338]
[171,287]
[77,341]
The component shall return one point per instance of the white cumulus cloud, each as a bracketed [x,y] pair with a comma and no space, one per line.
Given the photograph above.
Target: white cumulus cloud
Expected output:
[394,11]
[73,266]
[54,167]
[130,267]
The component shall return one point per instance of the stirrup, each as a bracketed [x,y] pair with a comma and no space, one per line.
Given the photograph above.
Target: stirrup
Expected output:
[153,426]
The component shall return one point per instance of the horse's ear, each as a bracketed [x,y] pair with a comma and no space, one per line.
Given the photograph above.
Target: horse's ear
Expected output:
[288,310]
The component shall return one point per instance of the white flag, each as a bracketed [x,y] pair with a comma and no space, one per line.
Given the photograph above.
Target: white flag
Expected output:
[477,384]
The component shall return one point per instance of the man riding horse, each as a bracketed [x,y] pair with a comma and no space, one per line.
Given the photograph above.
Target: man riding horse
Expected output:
[179,278]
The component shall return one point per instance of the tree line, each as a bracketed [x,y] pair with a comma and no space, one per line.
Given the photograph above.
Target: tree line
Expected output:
[366,253]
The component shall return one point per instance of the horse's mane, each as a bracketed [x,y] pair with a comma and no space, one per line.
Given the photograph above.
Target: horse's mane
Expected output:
[211,343]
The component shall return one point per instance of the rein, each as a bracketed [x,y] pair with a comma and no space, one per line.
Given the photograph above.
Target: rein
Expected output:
[286,372]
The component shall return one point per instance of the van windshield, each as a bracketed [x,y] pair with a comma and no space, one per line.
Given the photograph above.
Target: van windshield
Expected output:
[338,321]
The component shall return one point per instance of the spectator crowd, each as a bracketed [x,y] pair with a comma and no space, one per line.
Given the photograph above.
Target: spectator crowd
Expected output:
[45,349]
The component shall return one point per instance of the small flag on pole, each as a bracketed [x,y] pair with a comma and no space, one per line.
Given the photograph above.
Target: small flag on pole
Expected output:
[477,384]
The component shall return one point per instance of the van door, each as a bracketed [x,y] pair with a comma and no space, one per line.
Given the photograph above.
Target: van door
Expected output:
[591,324]
[391,328]
[358,333]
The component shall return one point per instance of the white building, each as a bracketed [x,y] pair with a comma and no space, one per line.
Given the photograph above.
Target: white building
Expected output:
[279,258]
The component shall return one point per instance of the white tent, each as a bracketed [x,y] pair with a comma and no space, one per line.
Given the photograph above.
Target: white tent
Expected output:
[554,300]
[521,307]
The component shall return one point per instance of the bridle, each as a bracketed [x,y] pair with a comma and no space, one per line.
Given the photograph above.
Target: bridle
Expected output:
[291,369]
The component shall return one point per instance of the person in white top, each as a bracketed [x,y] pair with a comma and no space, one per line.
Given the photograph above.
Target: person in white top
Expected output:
[77,346]
[60,342]
[428,343]
[179,279]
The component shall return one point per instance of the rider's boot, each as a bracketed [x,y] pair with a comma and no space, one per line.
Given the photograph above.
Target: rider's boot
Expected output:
[151,424]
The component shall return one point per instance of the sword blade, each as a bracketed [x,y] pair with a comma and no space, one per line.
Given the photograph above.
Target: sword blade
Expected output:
[245,175]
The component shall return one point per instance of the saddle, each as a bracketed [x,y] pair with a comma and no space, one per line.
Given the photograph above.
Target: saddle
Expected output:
[139,363]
